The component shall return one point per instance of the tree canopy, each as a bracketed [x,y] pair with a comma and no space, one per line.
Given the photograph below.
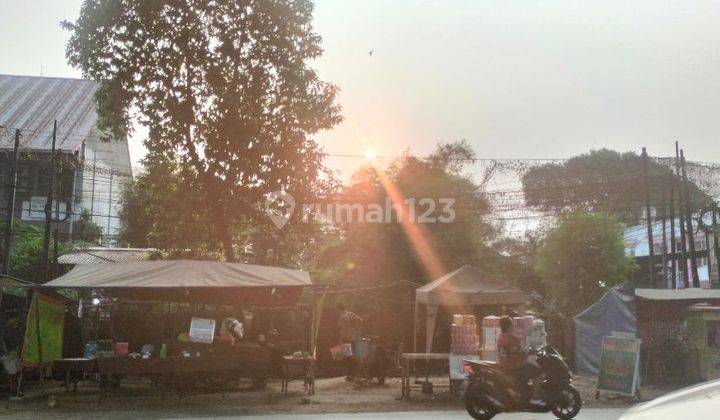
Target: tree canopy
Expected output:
[372,253]
[580,259]
[224,87]
[604,181]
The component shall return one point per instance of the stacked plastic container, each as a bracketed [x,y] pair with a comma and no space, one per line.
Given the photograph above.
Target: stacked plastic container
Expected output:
[465,338]
[465,344]
[537,336]
[491,333]
[530,330]
[523,328]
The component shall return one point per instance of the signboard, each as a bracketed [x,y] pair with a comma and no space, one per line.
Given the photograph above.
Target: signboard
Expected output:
[202,330]
[619,364]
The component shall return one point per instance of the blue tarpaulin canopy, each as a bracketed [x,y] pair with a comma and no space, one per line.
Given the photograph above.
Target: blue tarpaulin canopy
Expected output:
[615,311]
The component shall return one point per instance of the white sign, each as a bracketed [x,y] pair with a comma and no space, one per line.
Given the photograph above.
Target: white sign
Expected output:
[35,209]
[202,330]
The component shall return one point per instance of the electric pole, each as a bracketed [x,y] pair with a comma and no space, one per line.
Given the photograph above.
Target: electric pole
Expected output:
[9,217]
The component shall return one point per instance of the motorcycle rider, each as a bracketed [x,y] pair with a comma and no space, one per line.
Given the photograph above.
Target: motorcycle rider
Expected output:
[513,359]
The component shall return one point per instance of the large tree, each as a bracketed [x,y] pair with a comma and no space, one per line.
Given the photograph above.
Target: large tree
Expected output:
[379,253]
[604,181]
[224,86]
[580,259]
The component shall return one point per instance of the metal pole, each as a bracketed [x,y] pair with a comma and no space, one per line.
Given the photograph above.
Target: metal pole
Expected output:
[681,211]
[716,245]
[9,218]
[110,203]
[689,224]
[673,248]
[651,242]
[664,242]
[92,191]
[48,207]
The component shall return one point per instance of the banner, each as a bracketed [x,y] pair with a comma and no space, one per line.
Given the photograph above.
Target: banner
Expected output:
[44,331]
[619,364]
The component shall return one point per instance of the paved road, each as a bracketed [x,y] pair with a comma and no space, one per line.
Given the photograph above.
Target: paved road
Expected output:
[586,414]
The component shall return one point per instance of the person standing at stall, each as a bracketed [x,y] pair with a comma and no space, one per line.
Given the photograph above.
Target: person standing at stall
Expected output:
[350,327]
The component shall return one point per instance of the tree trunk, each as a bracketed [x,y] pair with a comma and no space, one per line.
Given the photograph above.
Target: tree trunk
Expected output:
[223,231]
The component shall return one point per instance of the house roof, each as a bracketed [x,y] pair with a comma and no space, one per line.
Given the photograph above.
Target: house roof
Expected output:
[104,255]
[468,286]
[32,104]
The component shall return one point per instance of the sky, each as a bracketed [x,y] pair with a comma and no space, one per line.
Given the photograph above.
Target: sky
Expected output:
[516,79]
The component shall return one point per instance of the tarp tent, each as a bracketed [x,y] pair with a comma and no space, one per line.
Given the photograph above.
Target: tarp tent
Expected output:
[189,280]
[615,311]
[465,286]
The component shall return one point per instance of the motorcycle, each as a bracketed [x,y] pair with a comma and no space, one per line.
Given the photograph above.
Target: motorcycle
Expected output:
[491,391]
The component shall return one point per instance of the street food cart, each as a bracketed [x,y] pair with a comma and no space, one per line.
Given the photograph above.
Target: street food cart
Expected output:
[154,308]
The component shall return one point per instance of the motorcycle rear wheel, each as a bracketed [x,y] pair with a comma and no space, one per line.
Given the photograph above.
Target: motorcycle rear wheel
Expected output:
[477,407]
[568,403]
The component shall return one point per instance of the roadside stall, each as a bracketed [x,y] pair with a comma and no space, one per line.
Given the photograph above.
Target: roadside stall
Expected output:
[184,323]
[464,291]
[467,294]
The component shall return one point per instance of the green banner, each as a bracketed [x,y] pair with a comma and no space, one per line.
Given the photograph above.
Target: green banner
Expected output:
[619,365]
[45,321]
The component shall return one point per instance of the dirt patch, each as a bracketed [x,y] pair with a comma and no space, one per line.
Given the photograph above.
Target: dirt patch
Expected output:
[333,395]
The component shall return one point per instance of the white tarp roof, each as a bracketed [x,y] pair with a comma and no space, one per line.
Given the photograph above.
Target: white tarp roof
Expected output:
[178,274]
[467,286]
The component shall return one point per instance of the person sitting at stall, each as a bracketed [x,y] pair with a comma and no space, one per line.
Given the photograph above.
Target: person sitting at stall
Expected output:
[350,325]
[231,330]
[513,358]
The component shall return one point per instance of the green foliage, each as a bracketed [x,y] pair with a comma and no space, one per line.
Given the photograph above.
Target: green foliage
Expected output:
[379,253]
[26,261]
[162,209]
[580,259]
[223,86]
[86,230]
[602,181]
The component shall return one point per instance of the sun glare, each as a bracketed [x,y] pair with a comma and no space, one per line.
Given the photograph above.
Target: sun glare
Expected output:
[370,154]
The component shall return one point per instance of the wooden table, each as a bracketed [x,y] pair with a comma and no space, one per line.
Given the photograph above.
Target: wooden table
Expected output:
[405,360]
[179,370]
[299,368]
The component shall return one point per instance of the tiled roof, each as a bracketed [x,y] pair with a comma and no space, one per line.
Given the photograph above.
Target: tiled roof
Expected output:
[33,103]
[102,255]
